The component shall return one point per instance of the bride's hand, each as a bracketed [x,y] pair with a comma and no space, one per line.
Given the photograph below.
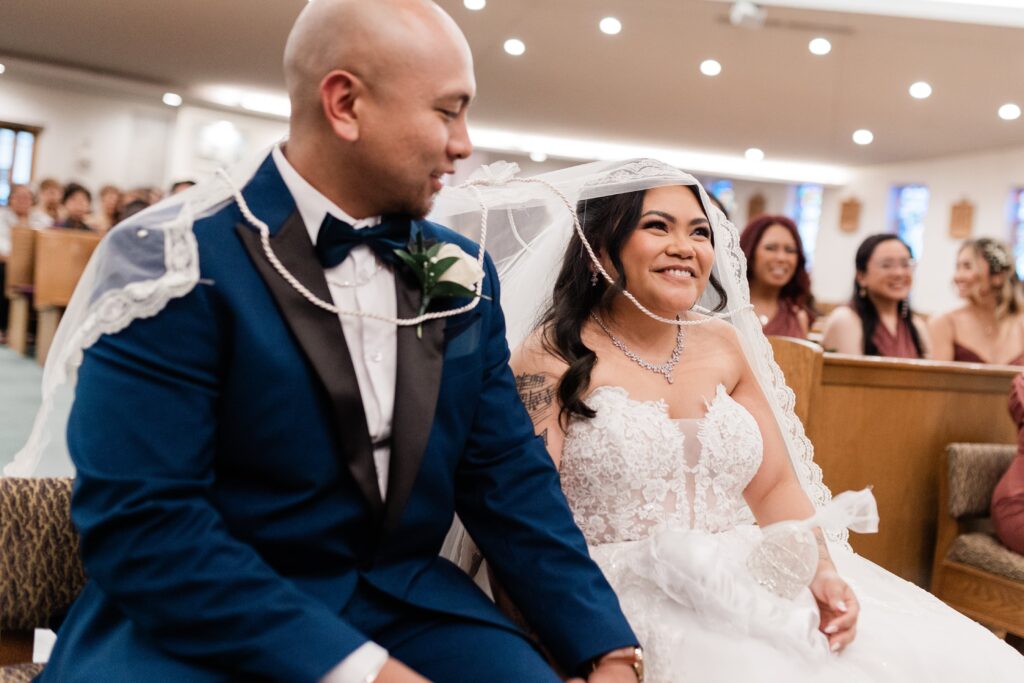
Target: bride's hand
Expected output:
[838,606]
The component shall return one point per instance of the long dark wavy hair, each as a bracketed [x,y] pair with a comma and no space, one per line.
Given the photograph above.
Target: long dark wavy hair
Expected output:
[798,289]
[607,223]
[865,308]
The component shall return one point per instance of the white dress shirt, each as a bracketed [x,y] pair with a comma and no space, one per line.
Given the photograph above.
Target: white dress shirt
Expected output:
[359,283]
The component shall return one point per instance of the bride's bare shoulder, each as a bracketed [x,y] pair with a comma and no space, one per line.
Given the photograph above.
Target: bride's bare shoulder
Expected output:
[534,356]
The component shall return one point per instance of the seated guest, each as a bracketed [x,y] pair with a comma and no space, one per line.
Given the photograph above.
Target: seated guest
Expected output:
[76,207]
[19,211]
[51,193]
[989,327]
[181,186]
[879,322]
[1008,498]
[133,207]
[780,289]
[109,210]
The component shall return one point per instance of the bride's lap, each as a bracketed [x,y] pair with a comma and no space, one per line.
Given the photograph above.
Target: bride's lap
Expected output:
[904,634]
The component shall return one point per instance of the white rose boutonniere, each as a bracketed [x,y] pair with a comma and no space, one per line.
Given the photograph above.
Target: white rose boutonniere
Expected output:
[444,271]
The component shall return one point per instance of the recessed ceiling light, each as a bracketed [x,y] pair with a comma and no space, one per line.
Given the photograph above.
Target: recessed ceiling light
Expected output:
[172,99]
[754,154]
[710,67]
[863,136]
[1009,112]
[2,68]
[538,156]
[474,4]
[820,46]
[515,47]
[920,90]
[611,26]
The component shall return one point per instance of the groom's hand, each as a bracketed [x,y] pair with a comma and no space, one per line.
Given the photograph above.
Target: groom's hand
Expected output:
[613,672]
[613,667]
[396,672]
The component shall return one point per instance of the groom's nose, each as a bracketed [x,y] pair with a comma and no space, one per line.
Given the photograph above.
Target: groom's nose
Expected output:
[459,144]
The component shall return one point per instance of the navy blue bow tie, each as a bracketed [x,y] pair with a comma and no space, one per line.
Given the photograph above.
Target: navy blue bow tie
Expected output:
[337,239]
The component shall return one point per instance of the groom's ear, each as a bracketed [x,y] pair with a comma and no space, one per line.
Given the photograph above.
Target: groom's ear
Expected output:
[339,92]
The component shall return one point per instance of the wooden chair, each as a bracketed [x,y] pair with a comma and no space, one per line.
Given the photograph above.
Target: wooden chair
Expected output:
[40,570]
[19,285]
[801,362]
[61,257]
[973,572]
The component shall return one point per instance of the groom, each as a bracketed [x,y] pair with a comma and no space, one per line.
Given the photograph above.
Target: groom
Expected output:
[264,485]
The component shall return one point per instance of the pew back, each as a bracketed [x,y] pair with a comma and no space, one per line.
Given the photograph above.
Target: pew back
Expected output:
[21,261]
[885,422]
[61,257]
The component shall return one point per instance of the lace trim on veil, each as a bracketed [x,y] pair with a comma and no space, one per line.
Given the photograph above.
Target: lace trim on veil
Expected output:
[107,313]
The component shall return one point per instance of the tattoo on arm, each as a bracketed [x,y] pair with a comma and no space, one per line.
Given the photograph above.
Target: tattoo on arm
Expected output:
[823,554]
[538,395]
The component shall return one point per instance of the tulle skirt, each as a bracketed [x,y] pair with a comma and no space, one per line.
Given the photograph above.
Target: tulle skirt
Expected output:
[702,617]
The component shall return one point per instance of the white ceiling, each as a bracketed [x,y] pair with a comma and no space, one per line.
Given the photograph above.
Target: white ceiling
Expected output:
[642,86]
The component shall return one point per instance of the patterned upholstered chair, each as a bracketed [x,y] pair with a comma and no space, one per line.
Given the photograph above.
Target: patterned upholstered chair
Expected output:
[973,572]
[40,570]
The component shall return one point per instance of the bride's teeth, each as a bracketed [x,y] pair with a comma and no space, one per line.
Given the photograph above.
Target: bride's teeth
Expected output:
[678,273]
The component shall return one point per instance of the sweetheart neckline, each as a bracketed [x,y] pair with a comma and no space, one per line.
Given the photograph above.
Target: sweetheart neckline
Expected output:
[662,405]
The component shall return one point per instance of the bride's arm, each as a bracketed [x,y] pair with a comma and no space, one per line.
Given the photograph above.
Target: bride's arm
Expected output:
[775,494]
[537,375]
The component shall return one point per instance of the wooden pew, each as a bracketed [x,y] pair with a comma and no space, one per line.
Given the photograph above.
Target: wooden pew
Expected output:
[61,257]
[18,286]
[886,422]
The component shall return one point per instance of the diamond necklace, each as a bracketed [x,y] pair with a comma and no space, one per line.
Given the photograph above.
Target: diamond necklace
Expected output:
[665,369]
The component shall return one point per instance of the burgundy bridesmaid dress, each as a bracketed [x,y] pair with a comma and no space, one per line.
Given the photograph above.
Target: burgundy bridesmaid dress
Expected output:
[785,322]
[1008,497]
[899,345]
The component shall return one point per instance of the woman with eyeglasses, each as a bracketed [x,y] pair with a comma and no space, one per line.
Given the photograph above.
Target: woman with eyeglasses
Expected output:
[989,327]
[879,321]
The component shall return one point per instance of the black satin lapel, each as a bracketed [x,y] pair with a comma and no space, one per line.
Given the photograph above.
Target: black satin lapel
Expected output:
[416,389]
[321,338]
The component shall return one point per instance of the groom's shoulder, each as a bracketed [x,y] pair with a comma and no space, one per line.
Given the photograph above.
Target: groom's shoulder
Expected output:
[217,222]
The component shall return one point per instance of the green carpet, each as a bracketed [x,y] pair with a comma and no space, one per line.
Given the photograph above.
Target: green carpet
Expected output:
[20,380]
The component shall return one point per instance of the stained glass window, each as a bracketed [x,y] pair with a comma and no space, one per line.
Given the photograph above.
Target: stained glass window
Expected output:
[17,147]
[911,208]
[723,189]
[807,216]
[1017,228]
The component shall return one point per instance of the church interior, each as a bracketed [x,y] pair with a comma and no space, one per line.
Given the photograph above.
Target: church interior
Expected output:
[846,119]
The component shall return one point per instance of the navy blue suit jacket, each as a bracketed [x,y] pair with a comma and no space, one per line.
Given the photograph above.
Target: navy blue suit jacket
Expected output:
[226,495]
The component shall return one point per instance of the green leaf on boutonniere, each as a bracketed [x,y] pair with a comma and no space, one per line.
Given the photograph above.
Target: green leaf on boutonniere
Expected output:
[415,264]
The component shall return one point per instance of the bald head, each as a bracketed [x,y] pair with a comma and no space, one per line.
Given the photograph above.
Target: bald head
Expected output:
[379,41]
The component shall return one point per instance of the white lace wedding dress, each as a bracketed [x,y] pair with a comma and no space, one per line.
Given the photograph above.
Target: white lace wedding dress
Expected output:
[660,503]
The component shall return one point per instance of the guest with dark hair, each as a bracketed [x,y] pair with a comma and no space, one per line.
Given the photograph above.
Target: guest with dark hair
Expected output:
[77,204]
[133,207]
[1008,497]
[879,321]
[181,186]
[989,327]
[780,289]
[50,194]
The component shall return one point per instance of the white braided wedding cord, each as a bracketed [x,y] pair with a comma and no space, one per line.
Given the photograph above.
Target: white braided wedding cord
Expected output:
[473,186]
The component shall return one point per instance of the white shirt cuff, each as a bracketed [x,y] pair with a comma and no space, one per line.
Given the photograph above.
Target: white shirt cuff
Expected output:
[362,666]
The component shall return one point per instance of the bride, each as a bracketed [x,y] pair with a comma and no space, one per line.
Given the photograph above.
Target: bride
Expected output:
[654,389]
